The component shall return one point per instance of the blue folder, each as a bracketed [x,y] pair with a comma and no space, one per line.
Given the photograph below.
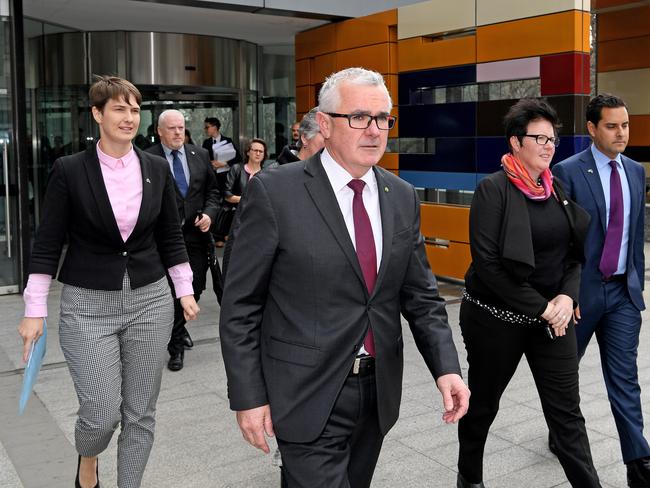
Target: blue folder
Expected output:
[34,363]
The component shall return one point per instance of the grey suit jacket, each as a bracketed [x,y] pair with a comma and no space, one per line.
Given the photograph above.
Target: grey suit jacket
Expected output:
[296,308]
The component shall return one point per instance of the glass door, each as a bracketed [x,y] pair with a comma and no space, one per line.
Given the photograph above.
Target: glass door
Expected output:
[8,173]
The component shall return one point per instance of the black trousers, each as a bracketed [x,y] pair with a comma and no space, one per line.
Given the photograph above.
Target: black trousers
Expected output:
[494,350]
[346,452]
[198,253]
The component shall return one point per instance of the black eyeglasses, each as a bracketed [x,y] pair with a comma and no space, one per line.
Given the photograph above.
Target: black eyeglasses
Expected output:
[542,140]
[363,121]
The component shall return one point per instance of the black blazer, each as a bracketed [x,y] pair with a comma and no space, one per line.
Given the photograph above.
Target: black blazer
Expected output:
[207,145]
[502,246]
[77,207]
[202,193]
[296,309]
[236,182]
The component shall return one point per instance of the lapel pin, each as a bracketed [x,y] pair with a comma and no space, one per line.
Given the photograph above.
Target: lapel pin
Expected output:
[386,189]
[565,202]
[193,153]
[590,171]
[148,180]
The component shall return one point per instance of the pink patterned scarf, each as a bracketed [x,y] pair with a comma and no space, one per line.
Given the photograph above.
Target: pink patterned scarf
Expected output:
[518,176]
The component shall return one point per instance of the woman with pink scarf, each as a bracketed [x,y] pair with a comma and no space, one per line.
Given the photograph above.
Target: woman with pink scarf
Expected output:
[526,240]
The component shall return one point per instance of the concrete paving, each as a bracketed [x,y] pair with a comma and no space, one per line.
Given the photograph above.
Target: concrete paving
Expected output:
[198,443]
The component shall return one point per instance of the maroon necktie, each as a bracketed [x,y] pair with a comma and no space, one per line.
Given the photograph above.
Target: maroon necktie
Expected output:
[366,252]
[612,248]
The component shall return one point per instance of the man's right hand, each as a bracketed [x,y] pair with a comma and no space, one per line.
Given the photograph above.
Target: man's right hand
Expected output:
[254,423]
[30,329]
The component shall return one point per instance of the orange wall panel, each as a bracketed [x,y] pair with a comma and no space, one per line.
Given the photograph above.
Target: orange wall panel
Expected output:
[633,22]
[315,42]
[365,31]
[445,222]
[376,57]
[389,161]
[305,98]
[624,54]
[303,72]
[639,130]
[423,53]
[451,261]
[536,36]
[323,66]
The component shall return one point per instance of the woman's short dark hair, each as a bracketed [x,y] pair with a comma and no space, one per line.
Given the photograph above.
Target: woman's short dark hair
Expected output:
[599,102]
[107,88]
[524,112]
[250,143]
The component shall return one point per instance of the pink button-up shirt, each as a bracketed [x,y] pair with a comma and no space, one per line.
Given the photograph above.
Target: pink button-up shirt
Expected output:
[123,181]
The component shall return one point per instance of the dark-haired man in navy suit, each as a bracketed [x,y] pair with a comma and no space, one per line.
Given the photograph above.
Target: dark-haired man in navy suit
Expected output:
[611,187]
[197,198]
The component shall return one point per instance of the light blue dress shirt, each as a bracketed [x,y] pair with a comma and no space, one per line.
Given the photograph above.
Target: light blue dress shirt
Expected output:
[605,171]
[181,156]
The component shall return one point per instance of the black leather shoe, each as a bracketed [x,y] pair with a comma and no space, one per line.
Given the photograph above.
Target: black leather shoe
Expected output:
[638,473]
[175,362]
[76,480]
[463,483]
[552,446]
[187,341]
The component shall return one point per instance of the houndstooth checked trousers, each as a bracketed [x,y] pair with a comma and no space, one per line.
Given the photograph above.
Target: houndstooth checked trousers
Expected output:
[115,344]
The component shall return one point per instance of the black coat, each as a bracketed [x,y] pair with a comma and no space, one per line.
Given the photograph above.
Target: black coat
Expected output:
[77,207]
[202,193]
[502,246]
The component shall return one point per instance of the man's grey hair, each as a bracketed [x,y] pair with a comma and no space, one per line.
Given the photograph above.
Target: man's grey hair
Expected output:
[329,96]
[308,126]
[163,115]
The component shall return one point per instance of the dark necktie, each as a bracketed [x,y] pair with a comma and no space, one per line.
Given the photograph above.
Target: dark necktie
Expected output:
[614,236]
[366,252]
[179,174]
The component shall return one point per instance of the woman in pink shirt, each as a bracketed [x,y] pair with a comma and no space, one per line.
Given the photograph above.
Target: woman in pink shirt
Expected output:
[116,208]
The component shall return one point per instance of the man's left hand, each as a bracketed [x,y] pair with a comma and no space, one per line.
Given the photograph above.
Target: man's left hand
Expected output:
[203,223]
[455,397]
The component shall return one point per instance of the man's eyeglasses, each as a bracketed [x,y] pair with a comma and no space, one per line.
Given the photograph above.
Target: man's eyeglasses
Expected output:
[363,121]
[542,140]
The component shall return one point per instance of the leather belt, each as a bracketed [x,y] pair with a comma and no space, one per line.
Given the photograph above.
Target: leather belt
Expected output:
[363,365]
[619,277]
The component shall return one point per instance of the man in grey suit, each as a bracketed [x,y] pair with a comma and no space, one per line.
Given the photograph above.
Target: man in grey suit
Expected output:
[197,199]
[326,254]
[611,187]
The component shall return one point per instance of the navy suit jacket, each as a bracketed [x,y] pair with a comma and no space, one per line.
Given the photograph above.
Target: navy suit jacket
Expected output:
[582,183]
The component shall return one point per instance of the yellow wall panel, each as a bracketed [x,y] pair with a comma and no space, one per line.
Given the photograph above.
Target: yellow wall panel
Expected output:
[557,33]
[376,57]
[305,96]
[623,24]
[323,66]
[389,161]
[303,72]
[630,85]
[445,222]
[315,42]
[435,17]
[422,53]
[365,31]
[624,54]
[494,11]
[451,261]
[639,130]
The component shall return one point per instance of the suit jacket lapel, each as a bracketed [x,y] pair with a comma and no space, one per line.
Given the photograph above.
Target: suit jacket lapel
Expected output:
[386,207]
[591,175]
[320,191]
[194,166]
[635,202]
[98,188]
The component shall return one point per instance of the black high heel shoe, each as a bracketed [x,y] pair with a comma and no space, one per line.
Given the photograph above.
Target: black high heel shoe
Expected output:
[76,481]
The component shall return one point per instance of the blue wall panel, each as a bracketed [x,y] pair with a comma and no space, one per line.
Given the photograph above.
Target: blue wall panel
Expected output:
[444,120]
[456,154]
[441,180]
[458,75]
